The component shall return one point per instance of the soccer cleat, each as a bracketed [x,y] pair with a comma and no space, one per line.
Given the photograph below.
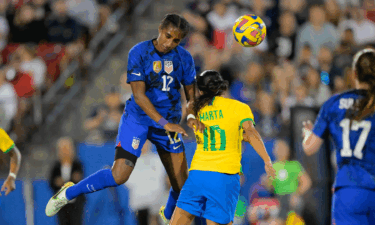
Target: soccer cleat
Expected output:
[58,201]
[161,213]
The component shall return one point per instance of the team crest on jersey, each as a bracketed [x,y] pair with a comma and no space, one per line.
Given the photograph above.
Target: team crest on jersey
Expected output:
[168,66]
[135,143]
[157,66]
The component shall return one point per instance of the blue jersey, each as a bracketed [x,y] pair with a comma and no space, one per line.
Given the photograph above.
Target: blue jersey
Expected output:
[355,145]
[163,75]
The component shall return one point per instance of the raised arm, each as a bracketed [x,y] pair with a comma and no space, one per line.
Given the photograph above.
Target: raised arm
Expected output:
[252,136]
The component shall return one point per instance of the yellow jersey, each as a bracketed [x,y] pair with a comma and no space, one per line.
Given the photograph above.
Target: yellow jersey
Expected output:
[6,144]
[219,148]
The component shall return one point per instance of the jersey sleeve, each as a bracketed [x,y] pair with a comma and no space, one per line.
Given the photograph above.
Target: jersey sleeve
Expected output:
[6,144]
[322,120]
[189,70]
[135,70]
[245,114]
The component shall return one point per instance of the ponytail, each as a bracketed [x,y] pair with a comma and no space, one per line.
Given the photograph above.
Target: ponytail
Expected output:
[364,67]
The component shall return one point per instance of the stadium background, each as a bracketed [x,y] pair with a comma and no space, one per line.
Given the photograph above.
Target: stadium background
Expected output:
[68,80]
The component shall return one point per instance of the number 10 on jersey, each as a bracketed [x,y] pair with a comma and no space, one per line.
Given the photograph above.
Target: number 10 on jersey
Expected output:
[214,131]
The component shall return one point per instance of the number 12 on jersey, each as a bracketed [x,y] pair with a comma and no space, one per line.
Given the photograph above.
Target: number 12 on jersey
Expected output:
[214,131]
[346,151]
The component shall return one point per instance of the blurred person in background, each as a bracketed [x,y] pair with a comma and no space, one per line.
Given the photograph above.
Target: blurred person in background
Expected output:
[264,206]
[85,12]
[24,27]
[4,25]
[7,146]
[246,86]
[61,27]
[305,60]
[317,32]
[8,100]
[363,29]
[298,7]
[333,12]
[291,181]
[145,194]
[266,115]
[299,97]
[317,90]
[32,64]
[283,40]
[67,168]
[343,55]
[42,9]
[104,120]
[325,59]
[222,18]
[347,118]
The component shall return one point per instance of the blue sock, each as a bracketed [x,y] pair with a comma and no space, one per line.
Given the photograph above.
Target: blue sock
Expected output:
[95,182]
[171,203]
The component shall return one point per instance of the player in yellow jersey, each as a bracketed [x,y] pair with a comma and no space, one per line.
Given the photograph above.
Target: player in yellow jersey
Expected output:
[212,188]
[7,146]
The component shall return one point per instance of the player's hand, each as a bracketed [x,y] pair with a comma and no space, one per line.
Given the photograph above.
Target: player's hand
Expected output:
[307,125]
[271,172]
[196,125]
[9,185]
[171,127]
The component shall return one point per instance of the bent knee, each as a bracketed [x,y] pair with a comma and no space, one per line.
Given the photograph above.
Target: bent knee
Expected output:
[121,172]
[120,177]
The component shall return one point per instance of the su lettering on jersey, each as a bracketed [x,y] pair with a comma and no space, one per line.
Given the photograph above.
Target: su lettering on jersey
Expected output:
[346,103]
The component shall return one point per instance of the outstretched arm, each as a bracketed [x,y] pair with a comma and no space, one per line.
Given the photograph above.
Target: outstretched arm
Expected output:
[15,162]
[194,124]
[252,136]
[139,93]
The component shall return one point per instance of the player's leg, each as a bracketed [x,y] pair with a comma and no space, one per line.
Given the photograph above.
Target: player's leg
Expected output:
[350,206]
[181,217]
[131,136]
[222,191]
[176,166]
[171,151]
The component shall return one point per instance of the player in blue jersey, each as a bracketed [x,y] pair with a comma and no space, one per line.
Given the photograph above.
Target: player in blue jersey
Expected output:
[349,118]
[156,70]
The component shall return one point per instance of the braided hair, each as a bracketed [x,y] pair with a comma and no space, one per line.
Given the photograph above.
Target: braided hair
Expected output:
[176,21]
[364,68]
[211,84]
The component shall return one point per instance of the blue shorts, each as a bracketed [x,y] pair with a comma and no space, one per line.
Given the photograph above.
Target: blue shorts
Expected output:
[353,206]
[132,136]
[211,195]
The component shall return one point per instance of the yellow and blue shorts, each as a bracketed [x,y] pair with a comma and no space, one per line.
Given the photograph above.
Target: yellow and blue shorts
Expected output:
[211,195]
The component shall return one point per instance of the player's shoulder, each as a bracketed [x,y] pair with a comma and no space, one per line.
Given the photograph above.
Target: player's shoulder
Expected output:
[234,104]
[344,100]
[140,47]
[182,52]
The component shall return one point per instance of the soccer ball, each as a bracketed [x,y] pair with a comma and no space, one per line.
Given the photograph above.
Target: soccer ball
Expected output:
[249,30]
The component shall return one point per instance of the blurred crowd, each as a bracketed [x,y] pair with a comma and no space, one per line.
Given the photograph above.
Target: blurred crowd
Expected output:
[38,40]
